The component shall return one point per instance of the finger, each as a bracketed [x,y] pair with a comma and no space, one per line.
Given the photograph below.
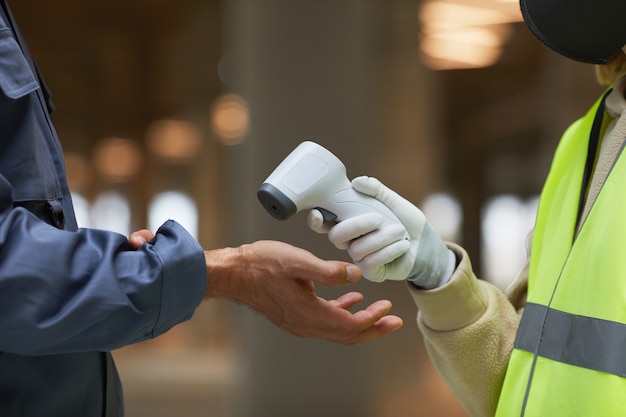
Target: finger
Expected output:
[393,262]
[373,312]
[340,325]
[382,327]
[412,217]
[346,231]
[386,255]
[347,301]
[347,275]
[378,240]
[374,188]
[331,273]
[140,237]
[373,322]
[366,185]
[284,260]
[315,221]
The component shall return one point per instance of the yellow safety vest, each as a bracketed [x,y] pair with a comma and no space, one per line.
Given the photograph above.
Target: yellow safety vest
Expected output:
[569,357]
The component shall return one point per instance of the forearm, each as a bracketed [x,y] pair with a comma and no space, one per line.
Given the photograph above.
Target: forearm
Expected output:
[469,328]
[65,291]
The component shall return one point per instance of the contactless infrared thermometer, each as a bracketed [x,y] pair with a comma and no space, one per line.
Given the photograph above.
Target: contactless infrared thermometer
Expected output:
[311,177]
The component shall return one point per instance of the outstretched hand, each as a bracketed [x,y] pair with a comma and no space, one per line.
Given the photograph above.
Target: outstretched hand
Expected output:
[278,280]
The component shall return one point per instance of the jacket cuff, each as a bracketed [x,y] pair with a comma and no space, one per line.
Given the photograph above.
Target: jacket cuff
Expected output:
[456,304]
[184,276]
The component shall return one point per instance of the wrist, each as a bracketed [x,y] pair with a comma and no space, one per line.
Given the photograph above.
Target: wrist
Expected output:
[439,276]
[224,268]
[435,262]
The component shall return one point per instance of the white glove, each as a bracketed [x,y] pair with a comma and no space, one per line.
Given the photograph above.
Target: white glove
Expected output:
[384,253]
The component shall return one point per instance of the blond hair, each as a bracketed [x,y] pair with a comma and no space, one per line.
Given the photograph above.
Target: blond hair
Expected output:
[613,70]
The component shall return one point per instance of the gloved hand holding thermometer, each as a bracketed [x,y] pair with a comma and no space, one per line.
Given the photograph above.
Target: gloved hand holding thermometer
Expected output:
[386,236]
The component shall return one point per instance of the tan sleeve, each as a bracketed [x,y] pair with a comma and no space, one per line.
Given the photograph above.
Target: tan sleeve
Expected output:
[469,328]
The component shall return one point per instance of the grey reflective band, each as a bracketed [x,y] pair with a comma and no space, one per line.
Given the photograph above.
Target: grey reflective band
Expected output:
[582,341]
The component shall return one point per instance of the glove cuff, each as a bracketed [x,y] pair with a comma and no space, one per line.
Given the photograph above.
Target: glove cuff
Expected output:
[434,263]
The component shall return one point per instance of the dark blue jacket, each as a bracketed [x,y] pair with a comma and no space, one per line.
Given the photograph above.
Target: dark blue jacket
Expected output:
[68,296]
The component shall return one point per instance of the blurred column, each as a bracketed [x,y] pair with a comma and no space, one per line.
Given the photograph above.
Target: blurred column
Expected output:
[345,75]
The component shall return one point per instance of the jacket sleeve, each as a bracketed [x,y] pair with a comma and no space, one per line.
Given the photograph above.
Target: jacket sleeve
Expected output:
[88,290]
[469,328]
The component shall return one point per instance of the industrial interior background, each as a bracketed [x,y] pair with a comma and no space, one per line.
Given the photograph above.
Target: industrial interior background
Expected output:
[447,101]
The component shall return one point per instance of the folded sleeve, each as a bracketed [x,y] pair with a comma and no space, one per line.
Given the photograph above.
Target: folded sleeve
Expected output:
[88,290]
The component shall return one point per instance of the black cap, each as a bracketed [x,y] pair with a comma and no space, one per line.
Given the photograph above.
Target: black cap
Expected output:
[589,31]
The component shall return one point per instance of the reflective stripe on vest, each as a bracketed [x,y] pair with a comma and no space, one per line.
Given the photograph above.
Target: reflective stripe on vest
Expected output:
[569,357]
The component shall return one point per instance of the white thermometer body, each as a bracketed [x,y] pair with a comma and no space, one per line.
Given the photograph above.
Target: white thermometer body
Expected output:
[312,177]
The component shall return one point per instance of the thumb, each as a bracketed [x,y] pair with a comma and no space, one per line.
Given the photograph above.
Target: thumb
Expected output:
[340,273]
[374,188]
[410,216]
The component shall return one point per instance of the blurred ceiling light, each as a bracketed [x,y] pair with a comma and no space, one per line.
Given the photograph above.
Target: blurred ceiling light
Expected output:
[230,119]
[174,205]
[467,48]
[79,172]
[465,33]
[174,140]
[445,214]
[444,15]
[117,159]
[111,211]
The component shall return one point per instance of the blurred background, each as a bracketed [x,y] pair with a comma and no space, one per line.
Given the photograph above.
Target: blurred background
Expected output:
[181,109]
